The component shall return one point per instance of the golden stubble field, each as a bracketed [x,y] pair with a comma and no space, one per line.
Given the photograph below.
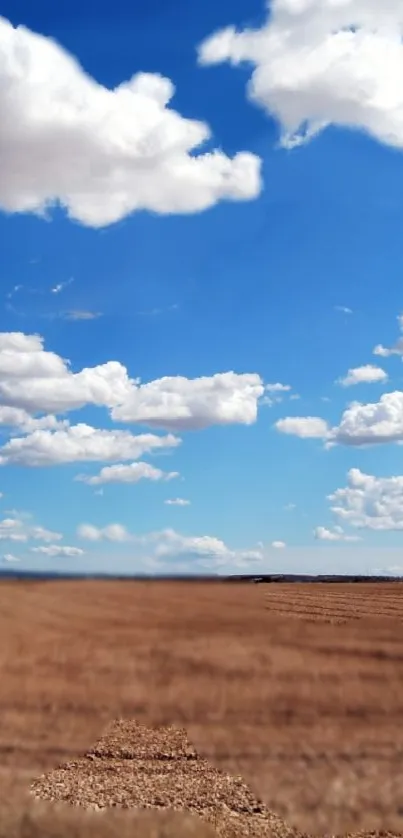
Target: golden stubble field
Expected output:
[297,688]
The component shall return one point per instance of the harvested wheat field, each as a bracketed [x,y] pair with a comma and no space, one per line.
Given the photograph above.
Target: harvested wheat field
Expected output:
[269,710]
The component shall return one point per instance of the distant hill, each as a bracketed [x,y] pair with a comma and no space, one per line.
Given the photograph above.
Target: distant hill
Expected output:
[9,574]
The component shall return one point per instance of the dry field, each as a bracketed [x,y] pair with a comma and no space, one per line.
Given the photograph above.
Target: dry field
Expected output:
[296,689]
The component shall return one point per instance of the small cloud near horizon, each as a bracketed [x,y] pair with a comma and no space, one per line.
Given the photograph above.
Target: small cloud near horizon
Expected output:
[8,558]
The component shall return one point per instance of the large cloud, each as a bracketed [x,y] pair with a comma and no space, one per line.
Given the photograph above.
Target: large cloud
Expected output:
[79,443]
[33,380]
[178,403]
[102,153]
[36,380]
[370,502]
[321,62]
[373,423]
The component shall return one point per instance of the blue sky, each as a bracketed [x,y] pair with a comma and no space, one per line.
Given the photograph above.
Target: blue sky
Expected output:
[231,241]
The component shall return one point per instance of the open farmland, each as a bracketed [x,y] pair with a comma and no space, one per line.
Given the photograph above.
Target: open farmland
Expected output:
[297,688]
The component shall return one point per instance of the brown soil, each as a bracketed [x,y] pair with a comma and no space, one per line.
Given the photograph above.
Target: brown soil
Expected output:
[295,688]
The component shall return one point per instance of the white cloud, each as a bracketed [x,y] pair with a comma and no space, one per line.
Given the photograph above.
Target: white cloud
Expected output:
[42,534]
[322,62]
[171,543]
[177,502]
[33,380]
[112,532]
[132,473]
[54,550]
[277,388]
[12,530]
[103,153]
[306,427]
[275,393]
[9,558]
[205,549]
[160,548]
[278,545]
[396,349]
[384,352]
[373,423]
[368,374]
[178,403]
[61,286]
[360,424]
[374,503]
[16,417]
[343,309]
[335,534]
[80,443]
[16,529]
[80,314]
[37,380]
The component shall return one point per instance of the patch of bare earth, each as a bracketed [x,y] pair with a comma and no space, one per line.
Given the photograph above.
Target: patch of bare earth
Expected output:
[157,768]
[297,689]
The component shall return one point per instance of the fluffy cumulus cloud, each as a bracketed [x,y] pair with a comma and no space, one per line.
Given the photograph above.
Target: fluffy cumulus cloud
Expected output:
[79,443]
[373,423]
[57,550]
[367,374]
[322,62]
[178,403]
[10,558]
[335,534]
[306,427]
[17,529]
[16,417]
[361,424]
[131,473]
[370,502]
[36,381]
[102,153]
[278,545]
